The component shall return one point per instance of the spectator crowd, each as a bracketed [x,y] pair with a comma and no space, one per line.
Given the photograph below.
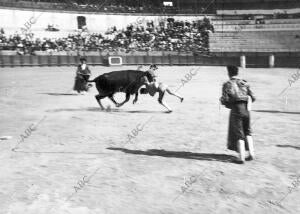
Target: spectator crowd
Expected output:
[167,35]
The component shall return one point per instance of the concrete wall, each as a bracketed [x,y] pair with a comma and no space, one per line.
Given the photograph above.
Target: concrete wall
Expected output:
[97,58]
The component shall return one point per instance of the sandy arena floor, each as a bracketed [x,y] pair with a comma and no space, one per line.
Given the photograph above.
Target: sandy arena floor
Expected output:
[76,159]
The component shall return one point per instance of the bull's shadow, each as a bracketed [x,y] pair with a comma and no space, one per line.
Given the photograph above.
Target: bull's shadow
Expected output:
[61,94]
[134,111]
[176,154]
[98,109]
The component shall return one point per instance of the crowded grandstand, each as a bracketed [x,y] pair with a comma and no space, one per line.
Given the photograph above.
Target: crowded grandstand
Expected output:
[168,35]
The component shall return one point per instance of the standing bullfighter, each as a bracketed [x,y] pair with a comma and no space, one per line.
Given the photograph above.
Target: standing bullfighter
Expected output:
[236,95]
[83,74]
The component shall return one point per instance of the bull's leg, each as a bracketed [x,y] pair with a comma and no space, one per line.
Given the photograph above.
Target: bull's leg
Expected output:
[111,97]
[98,98]
[125,101]
[136,97]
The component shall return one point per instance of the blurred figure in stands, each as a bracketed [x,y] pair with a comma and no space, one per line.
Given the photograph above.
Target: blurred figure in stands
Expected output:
[83,74]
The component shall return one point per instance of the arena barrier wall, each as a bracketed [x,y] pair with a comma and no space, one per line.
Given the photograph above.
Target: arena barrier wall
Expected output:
[262,60]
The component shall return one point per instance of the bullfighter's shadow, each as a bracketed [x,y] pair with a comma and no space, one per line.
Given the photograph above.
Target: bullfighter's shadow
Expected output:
[276,112]
[289,146]
[97,109]
[176,154]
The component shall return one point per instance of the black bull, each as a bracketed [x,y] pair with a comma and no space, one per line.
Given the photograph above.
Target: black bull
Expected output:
[127,81]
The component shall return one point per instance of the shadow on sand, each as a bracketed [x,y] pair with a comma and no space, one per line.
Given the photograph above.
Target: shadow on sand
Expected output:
[98,109]
[175,154]
[61,94]
[289,146]
[276,112]
[61,152]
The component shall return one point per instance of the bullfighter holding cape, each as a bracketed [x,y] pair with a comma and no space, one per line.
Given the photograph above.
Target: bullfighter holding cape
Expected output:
[83,74]
[237,96]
